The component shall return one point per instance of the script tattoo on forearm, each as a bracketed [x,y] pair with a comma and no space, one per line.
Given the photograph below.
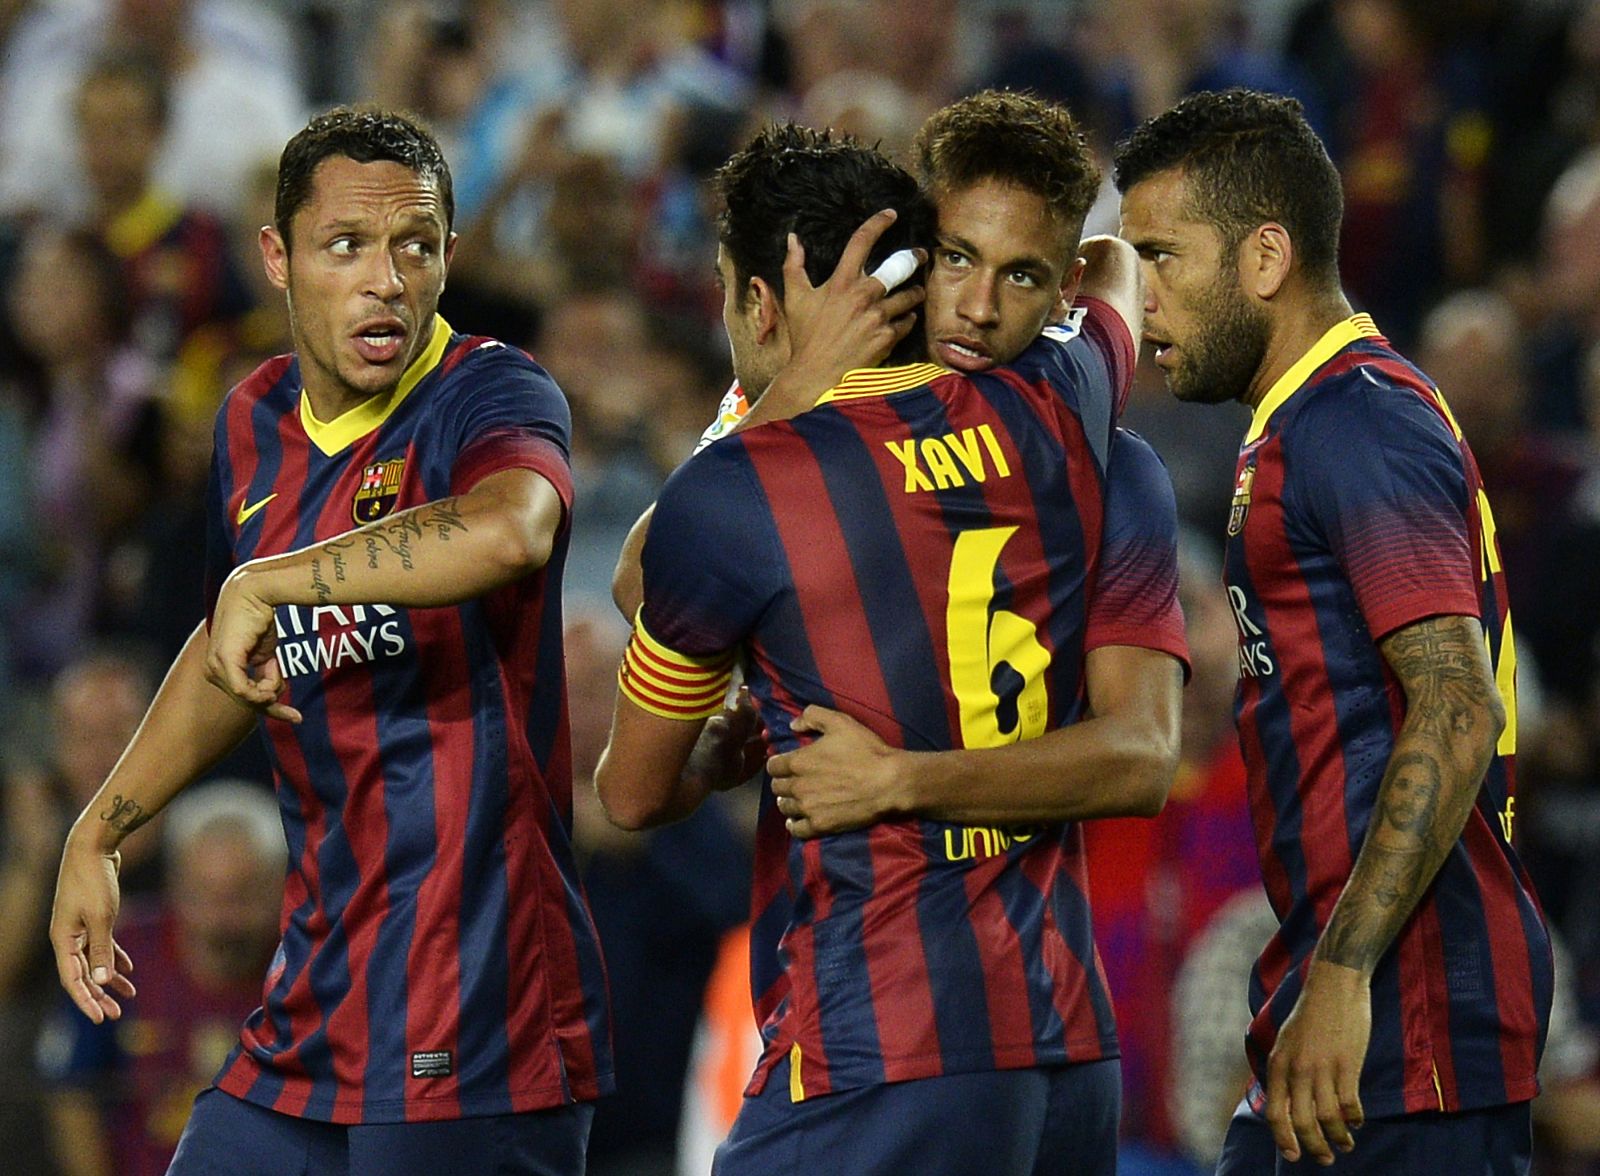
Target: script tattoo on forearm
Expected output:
[1428,788]
[124,815]
[323,589]
[442,518]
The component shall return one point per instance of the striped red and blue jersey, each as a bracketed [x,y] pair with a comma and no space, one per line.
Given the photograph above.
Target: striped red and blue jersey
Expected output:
[919,551]
[1359,510]
[438,959]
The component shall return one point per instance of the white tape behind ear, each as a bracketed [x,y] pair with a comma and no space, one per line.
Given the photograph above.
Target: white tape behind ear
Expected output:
[896,268]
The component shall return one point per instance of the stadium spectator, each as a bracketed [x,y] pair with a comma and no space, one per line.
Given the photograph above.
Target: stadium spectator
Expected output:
[235,94]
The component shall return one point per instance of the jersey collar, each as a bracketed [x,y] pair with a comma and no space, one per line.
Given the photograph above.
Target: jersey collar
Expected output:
[369,414]
[860,383]
[1337,338]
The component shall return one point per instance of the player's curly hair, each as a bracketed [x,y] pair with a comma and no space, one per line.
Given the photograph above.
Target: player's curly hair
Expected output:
[1016,139]
[819,187]
[365,134]
[1250,158]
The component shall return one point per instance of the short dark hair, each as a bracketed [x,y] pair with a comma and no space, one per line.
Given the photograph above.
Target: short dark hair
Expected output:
[139,68]
[1016,139]
[795,179]
[1250,158]
[365,134]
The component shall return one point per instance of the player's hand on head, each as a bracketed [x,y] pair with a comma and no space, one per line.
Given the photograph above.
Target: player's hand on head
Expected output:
[850,321]
[241,651]
[846,778]
[90,964]
[1314,1071]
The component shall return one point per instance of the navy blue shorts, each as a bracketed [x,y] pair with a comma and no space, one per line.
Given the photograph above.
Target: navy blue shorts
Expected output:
[227,1136]
[1493,1141]
[997,1122]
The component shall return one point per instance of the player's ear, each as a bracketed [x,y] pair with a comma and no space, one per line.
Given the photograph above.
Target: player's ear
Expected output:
[1070,281]
[450,248]
[275,256]
[768,309]
[1265,258]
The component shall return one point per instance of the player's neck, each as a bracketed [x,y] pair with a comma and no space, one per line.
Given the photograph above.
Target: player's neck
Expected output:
[1295,330]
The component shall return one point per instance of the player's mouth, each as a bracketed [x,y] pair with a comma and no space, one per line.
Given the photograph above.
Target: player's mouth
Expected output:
[962,354]
[1163,348]
[380,341]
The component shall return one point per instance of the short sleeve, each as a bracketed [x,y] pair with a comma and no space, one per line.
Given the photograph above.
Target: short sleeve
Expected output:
[710,563]
[1085,363]
[1135,601]
[1105,331]
[510,415]
[1383,479]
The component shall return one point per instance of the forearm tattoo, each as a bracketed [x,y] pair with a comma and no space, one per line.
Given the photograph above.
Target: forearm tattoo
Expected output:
[388,542]
[323,589]
[1428,788]
[124,815]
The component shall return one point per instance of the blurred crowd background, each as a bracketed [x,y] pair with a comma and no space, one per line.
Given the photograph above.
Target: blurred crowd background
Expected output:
[138,142]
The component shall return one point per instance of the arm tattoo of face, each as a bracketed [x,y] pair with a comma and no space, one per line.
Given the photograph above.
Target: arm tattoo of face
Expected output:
[1428,788]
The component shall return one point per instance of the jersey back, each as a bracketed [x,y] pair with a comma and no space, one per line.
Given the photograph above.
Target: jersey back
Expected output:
[919,552]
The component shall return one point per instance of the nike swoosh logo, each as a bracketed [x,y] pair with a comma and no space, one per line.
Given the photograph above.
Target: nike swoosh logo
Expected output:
[246,511]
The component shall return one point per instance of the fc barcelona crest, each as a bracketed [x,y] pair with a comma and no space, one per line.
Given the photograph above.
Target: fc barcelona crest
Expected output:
[379,489]
[1241,500]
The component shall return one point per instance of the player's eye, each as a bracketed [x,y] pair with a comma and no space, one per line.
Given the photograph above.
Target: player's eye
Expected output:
[342,246]
[954,258]
[1023,279]
[420,250]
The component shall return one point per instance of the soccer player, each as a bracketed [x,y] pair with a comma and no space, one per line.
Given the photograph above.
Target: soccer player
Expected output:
[1408,985]
[920,551]
[998,167]
[388,520]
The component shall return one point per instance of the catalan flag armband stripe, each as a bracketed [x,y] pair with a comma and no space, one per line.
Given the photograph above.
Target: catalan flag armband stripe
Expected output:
[670,684]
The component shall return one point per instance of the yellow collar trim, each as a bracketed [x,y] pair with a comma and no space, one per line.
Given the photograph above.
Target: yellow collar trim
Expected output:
[135,229]
[357,422]
[860,383]
[1338,337]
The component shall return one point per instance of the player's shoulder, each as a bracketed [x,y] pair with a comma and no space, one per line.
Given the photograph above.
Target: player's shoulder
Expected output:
[275,381]
[270,376]
[469,359]
[1375,395]
[1128,445]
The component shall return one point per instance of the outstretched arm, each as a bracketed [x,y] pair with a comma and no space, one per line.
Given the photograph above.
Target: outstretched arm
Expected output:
[189,727]
[1454,716]
[1119,762]
[439,553]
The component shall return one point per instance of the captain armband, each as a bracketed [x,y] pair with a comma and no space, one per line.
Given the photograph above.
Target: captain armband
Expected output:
[669,684]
